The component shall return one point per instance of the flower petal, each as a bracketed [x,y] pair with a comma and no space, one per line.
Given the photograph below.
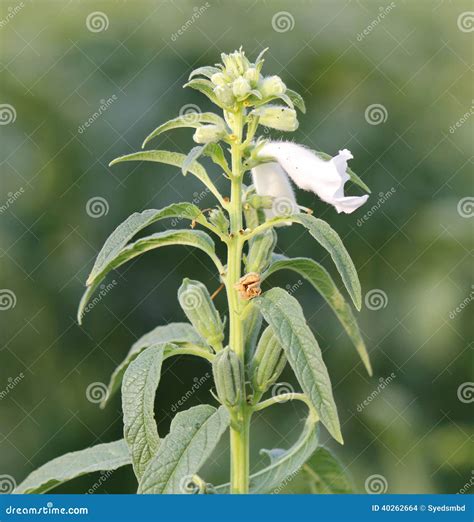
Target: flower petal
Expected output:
[271,180]
[309,172]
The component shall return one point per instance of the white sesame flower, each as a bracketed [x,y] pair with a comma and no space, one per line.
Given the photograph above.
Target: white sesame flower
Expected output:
[308,172]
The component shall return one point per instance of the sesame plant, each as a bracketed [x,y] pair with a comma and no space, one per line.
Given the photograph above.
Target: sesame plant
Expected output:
[264,329]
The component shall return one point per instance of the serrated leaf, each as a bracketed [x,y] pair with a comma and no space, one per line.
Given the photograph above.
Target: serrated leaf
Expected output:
[195,238]
[329,239]
[324,474]
[193,121]
[352,175]
[284,463]
[322,281]
[138,399]
[204,86]
[171,158]
[169,335]
[103,457]
[284,314]
[207,71]
[193,436]
[296,99]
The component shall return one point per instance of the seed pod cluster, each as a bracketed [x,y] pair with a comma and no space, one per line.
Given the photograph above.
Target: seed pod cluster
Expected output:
[200,310]
[268,362]
[228,377]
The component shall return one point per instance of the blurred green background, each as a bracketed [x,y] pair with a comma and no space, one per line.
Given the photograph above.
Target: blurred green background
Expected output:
[414,249]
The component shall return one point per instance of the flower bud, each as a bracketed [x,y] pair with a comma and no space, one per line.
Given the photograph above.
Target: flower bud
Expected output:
[235,63]
[252,75]
[228,377]
[208,133]
[241,88]
[219,220]
[272,86]
[224,95]
[268,362]
[260,251]
[277,117]
[200,310]
[219,79]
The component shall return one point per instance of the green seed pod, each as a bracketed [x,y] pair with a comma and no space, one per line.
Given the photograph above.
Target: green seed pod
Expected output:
[228,377]
[268,361]
[200,310]
[219,220]
[260,251]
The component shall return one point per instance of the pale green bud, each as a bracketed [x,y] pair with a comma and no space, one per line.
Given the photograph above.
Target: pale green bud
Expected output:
[224,95]
[276,117]
[260,251]
[272,86]
[219,79]
[228,377]
[252,75]
[235,63]
[241,88]
[200,310]
[219,220]
[268,362]
[208,134]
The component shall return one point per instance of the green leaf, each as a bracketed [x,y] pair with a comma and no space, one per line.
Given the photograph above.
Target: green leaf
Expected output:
[170,335]
[296,99]
[192,156]
[284,314]
[207,71]
[193,436]
[204,86]
[329,239]
[352,175]
[138,399]
[285,464]
[324,474]
[103,457]
[195,238]
[322,281]
[215,152]
[172,158]
[193,121]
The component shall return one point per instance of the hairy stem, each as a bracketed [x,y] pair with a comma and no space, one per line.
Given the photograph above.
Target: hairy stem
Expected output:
[239,431]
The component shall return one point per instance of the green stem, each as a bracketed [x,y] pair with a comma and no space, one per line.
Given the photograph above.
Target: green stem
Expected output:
[239,431]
